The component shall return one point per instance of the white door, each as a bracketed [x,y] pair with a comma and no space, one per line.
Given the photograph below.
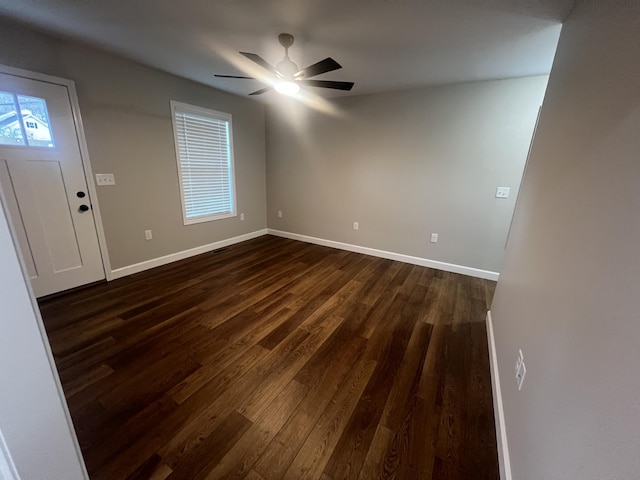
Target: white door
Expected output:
[44,186]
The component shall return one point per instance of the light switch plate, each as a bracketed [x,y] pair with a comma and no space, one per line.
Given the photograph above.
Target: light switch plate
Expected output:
[105,179]
[503,192]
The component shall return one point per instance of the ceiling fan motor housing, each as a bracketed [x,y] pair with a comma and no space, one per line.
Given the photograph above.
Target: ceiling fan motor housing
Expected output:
[285,39]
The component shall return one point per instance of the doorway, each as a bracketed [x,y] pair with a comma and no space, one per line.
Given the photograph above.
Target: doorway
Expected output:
[45,180]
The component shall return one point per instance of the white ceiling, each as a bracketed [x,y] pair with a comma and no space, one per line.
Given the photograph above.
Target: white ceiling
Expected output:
[382,44]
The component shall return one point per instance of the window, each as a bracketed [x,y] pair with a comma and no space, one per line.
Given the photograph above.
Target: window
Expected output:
[20,116]
[204,152]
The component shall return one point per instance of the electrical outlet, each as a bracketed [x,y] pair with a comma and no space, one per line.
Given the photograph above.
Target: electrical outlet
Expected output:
[434,238]
[356,225]
[148,235]
[103,179]
[279,213]
[242,217]
[503,192]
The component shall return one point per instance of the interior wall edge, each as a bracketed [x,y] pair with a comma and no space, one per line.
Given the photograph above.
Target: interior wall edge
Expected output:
[7,468]
[34,390]
[498,409]
[423,262]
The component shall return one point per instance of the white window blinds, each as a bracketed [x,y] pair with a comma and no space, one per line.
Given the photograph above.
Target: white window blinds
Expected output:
[204,153]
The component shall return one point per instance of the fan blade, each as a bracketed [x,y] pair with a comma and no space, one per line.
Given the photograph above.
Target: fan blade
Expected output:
[233,76]
[323,66]
[261,91]
[327,84]
[260,61]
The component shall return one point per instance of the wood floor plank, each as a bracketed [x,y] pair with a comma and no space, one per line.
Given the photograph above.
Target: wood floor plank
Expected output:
[268,389]
[310,461]
[227,347]
[430,389]
[406,383]
[219,373]
[323,380]
[253,475]
[389,345]
[275,359]
[240,459]
[103,448]
[195,462]
[376,463]
[77,383]
[161,473]
[202,422]
[307,305]
[449,456]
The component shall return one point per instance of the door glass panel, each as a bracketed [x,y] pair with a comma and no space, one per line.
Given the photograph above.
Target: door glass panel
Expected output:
[10,131]
[23,116]
[35,119]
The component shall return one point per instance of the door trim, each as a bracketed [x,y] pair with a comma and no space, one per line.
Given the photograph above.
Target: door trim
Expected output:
[84,152]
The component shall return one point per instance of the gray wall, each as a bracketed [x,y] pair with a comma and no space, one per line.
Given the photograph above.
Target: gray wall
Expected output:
[569,290]
[404,165]
[126,113]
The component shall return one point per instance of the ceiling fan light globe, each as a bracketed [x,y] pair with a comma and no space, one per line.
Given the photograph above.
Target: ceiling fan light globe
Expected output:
[287,88]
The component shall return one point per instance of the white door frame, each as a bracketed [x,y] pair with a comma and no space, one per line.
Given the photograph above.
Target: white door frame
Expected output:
[84,152]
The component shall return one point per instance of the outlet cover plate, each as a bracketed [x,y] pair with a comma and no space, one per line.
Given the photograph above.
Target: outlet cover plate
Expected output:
[103,179]
[503,192]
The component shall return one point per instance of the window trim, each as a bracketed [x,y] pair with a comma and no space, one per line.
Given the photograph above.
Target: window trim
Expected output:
[206,112]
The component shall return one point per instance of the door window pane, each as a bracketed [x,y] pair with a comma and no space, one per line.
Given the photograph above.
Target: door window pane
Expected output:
[10,131]
[36,121]
[24,121]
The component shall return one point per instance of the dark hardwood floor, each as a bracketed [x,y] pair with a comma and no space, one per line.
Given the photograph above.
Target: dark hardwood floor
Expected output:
[275,359]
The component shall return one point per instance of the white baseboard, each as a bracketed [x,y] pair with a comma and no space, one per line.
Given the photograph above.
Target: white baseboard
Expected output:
[424,262]
[174,257]
[501,432]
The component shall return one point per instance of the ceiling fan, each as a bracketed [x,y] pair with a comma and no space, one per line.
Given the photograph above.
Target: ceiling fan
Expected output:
[288,78]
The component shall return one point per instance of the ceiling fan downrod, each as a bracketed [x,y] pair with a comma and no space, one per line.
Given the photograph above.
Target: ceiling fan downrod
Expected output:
[286,67]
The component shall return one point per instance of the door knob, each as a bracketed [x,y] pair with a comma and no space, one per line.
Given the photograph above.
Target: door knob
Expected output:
[83,208]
